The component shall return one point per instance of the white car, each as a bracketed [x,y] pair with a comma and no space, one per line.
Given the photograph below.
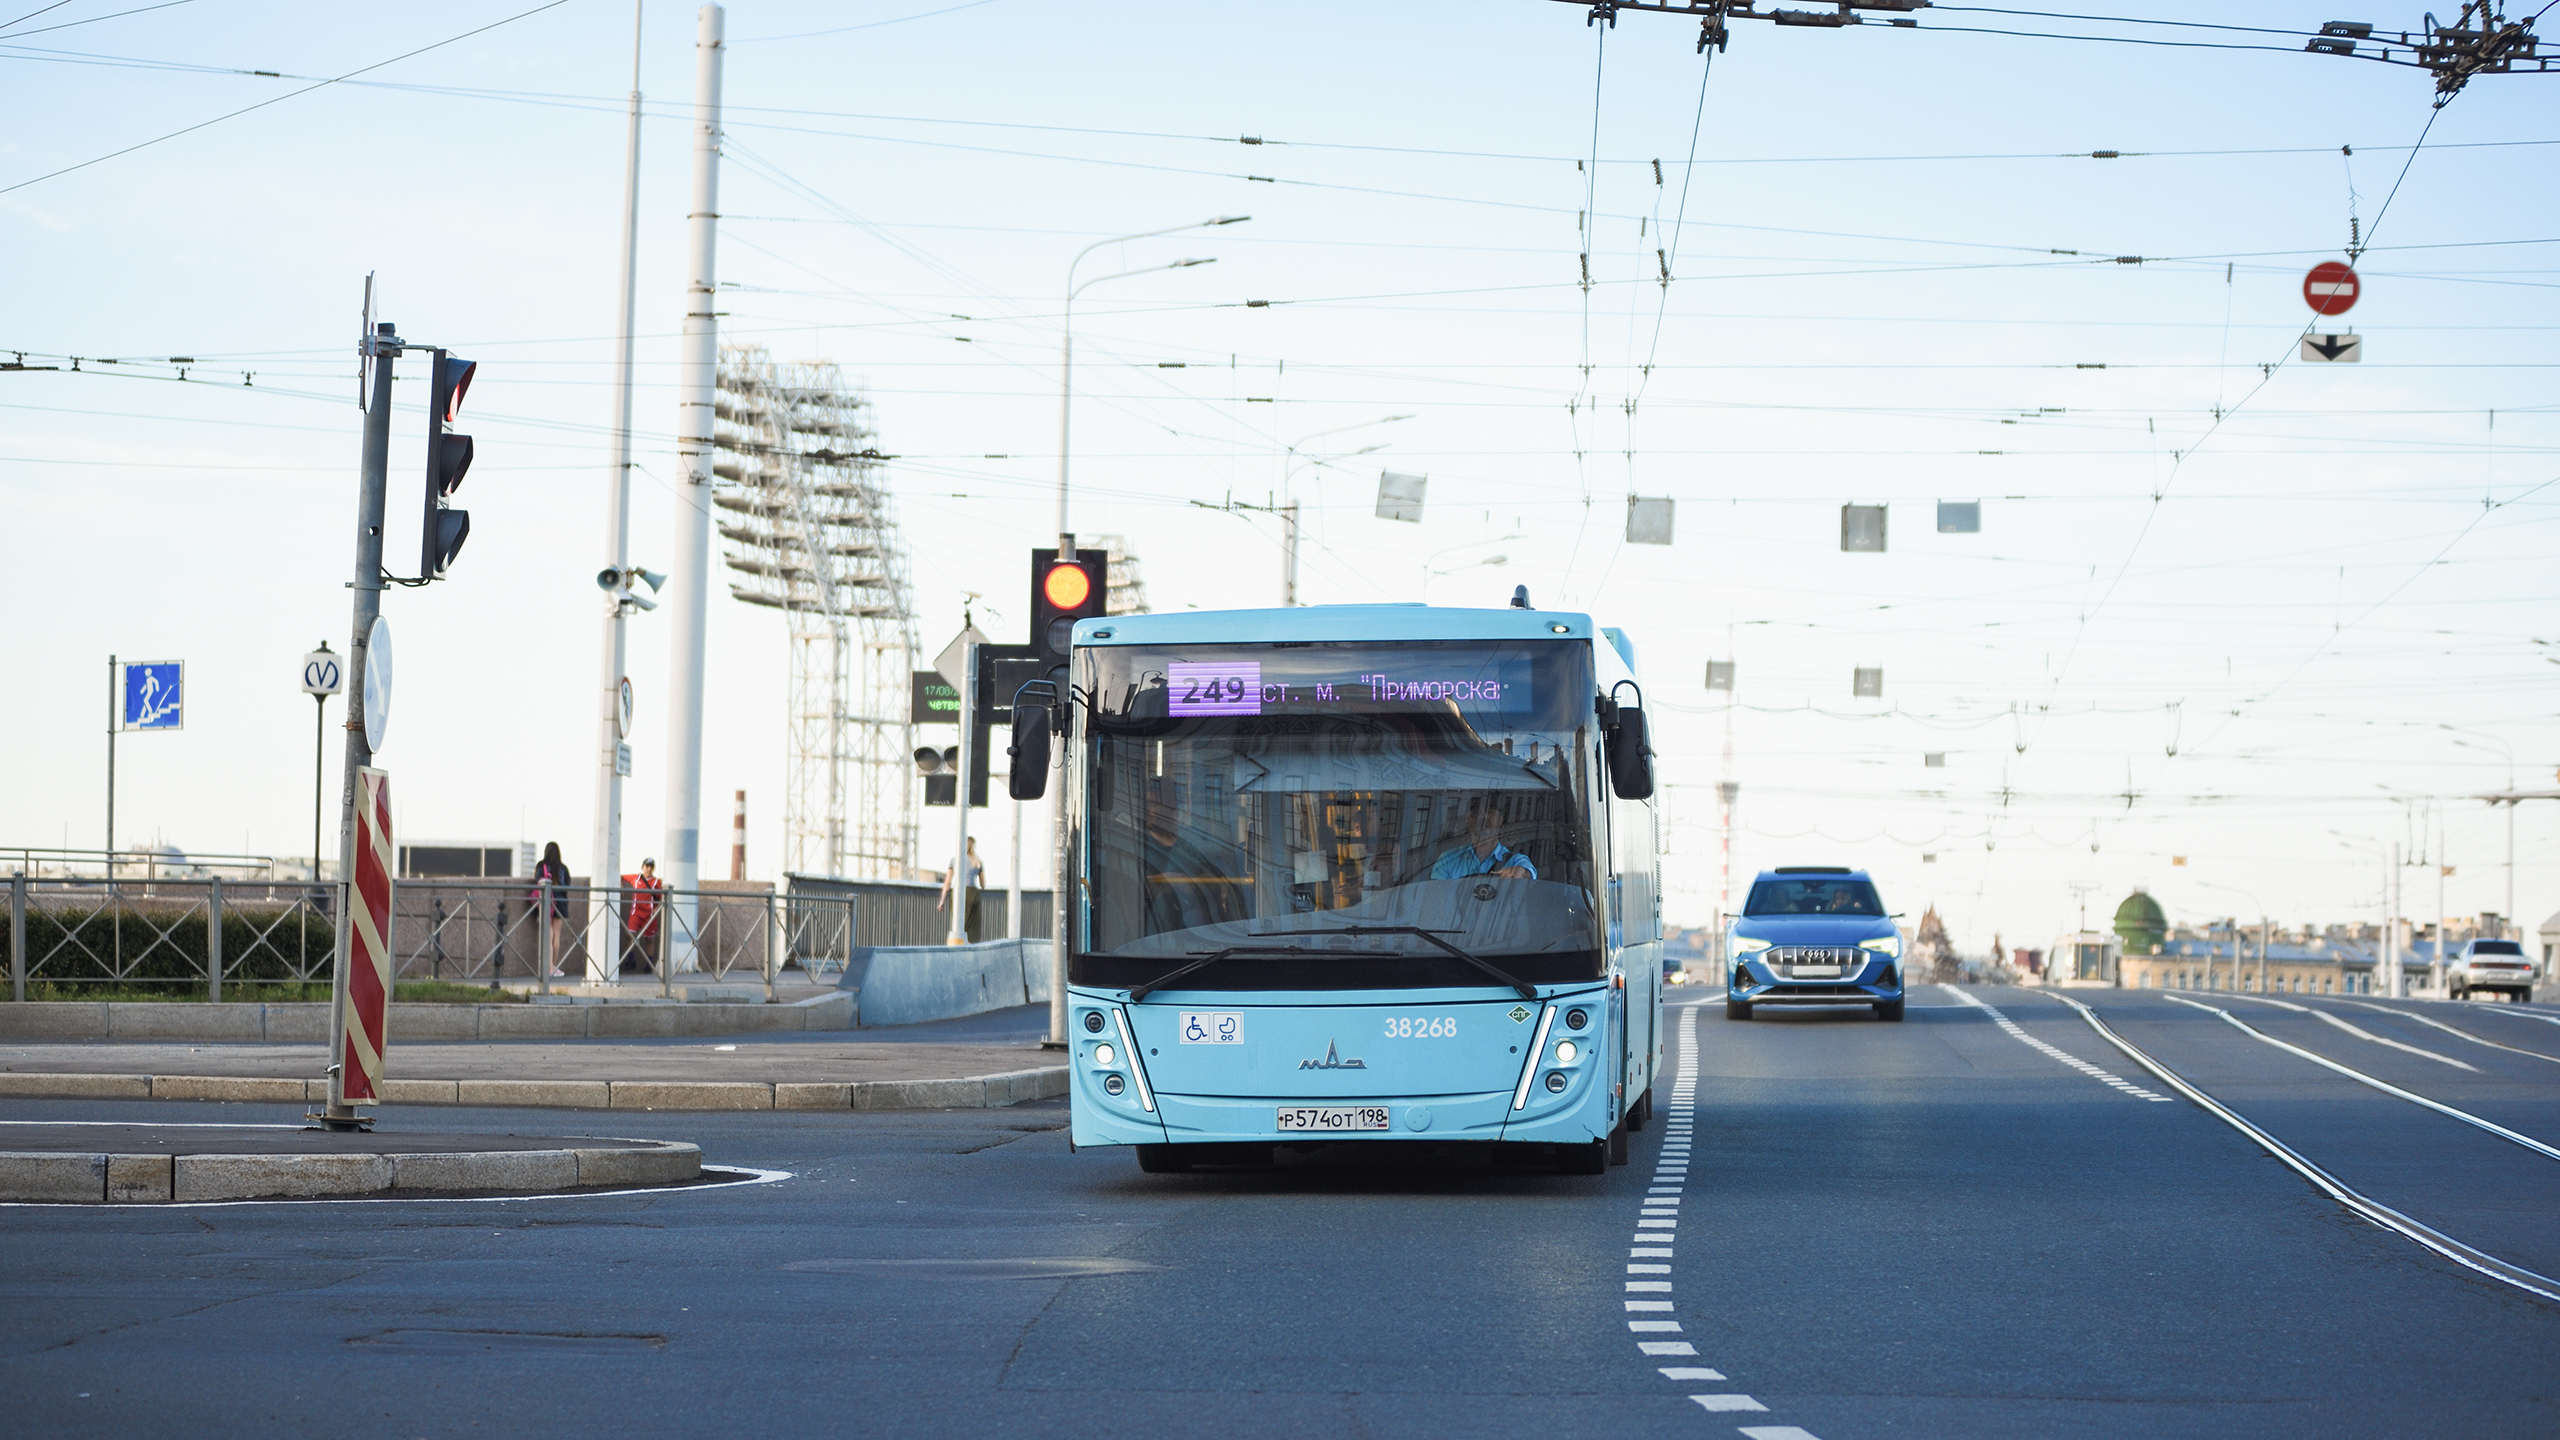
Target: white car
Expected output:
[2497,966]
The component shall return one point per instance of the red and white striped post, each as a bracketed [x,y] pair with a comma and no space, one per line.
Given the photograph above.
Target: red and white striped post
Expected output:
[364,1000]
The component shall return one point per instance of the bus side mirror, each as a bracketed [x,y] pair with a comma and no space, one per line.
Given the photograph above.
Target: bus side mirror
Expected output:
[1630,756]
[1027,776]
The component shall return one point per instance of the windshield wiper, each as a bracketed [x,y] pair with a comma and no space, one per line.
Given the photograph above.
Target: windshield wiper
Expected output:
[1428,937]
[1213,957]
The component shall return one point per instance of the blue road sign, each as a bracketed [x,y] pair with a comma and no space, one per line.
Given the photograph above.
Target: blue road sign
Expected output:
[155,695]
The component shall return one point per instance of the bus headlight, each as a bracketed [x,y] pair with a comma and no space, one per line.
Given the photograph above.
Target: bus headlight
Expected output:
[1565,1053]
[1093,1022]
[1555,1083]
[1104,1055]
[1113,1084]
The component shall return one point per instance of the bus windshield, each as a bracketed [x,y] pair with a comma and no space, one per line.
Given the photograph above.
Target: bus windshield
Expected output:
[1330,811]
[1812,897]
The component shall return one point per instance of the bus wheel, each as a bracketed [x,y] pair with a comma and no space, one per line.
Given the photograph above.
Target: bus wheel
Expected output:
[1888,1009]
[1591,1159]
[1642,1113]
[1737,1009]
[1164,1159]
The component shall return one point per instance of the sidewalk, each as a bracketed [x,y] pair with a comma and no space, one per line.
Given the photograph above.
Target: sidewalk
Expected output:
[980,1062]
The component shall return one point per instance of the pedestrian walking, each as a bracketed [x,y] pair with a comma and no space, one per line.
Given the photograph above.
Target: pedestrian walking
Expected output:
[553,871]
[973,925]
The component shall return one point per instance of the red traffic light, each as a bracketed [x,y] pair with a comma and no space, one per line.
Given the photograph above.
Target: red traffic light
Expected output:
[1066,586]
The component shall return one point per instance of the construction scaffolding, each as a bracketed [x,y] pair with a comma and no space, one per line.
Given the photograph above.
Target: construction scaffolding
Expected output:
[1126,590]
[811,529]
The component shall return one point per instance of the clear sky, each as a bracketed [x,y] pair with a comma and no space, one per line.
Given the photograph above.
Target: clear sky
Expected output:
[2225,605]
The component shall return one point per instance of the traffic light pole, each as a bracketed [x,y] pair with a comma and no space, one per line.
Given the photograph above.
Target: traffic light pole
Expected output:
[380,348]
[958,884]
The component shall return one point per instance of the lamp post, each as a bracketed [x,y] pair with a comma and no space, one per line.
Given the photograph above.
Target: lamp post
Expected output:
[1290,461]
[1067,342]
[1059,936]
[2384,856]
[1431,570]
[2509,801]
[2264,926]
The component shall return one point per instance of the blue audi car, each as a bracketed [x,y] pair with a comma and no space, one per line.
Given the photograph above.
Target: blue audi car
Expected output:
[1813,935]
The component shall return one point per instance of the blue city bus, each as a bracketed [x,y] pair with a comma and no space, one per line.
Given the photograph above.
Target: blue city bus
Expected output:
[1356,874]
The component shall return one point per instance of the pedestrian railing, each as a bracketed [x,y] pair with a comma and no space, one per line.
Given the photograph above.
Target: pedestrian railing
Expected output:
[167,936]
[218,937]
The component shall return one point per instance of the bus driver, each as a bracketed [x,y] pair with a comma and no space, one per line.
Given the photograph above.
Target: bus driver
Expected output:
[1482,853]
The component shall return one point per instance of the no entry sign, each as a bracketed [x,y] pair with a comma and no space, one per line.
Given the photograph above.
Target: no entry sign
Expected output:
[2330,288]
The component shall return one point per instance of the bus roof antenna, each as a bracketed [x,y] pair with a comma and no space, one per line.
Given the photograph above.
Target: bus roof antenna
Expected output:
[1520,598]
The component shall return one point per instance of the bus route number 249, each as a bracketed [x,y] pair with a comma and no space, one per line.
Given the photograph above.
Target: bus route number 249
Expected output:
[1422,1027]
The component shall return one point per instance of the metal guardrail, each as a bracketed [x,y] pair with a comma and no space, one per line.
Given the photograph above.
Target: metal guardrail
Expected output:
[182,935]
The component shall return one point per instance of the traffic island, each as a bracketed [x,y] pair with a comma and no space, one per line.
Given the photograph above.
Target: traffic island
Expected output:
[150,1163]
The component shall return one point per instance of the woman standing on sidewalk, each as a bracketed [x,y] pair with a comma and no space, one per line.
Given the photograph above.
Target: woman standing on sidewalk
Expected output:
[554,871]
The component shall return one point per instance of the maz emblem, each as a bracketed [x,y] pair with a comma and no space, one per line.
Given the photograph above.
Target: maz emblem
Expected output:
[1332,1061]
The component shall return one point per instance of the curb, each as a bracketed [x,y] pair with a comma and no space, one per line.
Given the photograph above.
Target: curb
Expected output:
[972,1092]
[55,1178]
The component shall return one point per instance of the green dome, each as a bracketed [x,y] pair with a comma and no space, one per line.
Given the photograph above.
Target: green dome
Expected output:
[2140,923]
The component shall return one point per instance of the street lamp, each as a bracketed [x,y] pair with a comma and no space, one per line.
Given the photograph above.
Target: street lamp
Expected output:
[1431,571]
[1067,551]
[2509,800]
[1066,379]
[1290,461]
[2264,925]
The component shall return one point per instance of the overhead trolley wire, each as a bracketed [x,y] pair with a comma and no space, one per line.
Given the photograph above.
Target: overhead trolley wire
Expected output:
[280,99]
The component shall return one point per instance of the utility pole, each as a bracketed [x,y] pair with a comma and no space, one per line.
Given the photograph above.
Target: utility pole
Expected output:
[604,856]
[696,437]
[2444,932]
[380,349]
[115,718]
[958,884]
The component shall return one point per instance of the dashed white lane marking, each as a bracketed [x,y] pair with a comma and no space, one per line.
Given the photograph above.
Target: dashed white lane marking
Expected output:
[1651,1248]
[2116,1082]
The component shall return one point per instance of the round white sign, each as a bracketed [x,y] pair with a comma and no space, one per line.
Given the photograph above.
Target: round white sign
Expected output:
[377,684]
[622,711]
[320,673]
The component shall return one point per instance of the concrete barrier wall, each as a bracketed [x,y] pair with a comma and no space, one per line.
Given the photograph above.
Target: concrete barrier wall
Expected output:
[908,984]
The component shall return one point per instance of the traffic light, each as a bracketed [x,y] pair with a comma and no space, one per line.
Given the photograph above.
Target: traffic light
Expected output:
[448,460]
[1062,593]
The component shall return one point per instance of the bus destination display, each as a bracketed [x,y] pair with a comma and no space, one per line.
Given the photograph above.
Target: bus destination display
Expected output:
[1239,687]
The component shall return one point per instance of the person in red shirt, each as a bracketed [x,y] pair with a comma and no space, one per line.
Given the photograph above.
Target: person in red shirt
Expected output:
[640,920]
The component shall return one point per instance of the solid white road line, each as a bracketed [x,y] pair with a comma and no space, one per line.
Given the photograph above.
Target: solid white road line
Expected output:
[2363,1206]
[2386,1087]
[2449,1030]
[2012,1029]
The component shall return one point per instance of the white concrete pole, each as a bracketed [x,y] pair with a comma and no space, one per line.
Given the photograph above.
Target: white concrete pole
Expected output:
[690,566]
[604,855]
[1289,554]
[959,882]
[1013,890]
[2437,972]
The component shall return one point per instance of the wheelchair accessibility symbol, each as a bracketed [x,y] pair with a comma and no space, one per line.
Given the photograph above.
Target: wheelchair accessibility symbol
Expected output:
[1212,1027]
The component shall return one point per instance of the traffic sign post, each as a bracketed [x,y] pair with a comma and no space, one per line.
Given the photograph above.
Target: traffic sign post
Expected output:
[2346,349]
[2331,288]
[322,677]
[141,695]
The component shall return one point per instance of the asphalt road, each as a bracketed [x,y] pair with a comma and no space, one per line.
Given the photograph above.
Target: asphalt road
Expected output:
[1947,1227]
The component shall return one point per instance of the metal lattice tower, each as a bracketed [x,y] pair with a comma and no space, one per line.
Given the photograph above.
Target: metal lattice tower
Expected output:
[814,536]
[1126,592]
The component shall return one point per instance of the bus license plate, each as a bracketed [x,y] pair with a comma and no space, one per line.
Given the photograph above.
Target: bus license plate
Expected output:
[1331,1117]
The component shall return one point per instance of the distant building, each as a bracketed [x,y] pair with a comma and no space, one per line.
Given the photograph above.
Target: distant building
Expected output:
[2228,960]
[2141,925]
